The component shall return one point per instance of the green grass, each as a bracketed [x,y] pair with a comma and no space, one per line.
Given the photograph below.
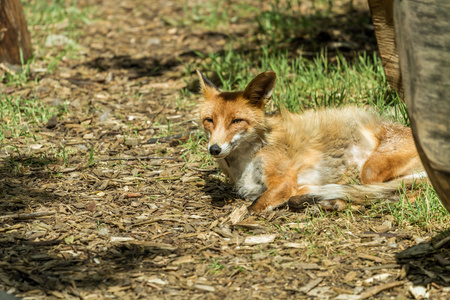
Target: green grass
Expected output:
[22,116]
[213,15]
[424,210]
[53,12]
[61,17]
[304,83]
[215,267]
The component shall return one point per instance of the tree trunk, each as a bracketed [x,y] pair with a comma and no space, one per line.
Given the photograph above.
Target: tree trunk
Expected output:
[383,22]
[14,35]
[423,39]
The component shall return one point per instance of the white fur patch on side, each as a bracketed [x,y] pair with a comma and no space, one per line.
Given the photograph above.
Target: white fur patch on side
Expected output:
[370,139]
[358,156]
[328,191]
[309,177]
[417,175]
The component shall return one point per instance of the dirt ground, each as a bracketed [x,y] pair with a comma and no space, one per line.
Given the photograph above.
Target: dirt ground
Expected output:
[96,209]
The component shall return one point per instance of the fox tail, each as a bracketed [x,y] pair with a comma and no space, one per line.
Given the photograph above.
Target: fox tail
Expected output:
[337,197]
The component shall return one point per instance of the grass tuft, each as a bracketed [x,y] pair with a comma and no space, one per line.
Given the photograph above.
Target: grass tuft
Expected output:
[21,116]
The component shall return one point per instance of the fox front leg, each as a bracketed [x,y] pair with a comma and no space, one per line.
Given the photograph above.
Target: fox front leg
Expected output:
[297,198]
[273,198]
[281,183]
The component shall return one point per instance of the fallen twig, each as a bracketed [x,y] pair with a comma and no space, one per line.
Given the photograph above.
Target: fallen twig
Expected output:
[386,266]
[442,242]
[139,158]
[372,257]
[174,124]
[375,290]
[183,137]
[132,195]
[45,243]
[203,170]
[157,219]
[29,216]
[167,178]
[53,171]
[310,285]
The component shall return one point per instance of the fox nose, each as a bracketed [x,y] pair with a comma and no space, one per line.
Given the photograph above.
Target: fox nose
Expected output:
[215,150]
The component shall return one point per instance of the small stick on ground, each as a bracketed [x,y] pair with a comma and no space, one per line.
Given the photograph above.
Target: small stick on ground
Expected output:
[310,285]
[183,137]
[139,158]
[29,216]
[375,290]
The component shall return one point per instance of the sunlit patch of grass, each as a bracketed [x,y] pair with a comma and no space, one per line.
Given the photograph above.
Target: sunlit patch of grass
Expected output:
[418,206]
[304,83]
[21,116]
[272,22]
[214,14]
[56,16]
[17,76]
[55,27]
[195,150]
[424,209]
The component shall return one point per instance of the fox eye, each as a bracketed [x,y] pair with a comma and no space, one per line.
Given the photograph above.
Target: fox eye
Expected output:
[209,120]
[237,121]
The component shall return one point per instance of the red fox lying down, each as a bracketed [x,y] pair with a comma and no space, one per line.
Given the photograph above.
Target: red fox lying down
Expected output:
[304,158]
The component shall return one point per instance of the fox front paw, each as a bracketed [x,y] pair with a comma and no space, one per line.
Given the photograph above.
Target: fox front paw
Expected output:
[256,207]
[261,204]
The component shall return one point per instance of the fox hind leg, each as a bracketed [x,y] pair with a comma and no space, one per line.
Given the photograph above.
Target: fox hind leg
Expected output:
[328,197]
[303,201]
[337,197]
[395,157]
[394,161]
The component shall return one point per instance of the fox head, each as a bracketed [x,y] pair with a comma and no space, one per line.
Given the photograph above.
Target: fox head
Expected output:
[231,118]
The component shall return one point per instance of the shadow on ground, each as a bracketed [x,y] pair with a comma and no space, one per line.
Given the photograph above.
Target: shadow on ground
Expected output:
[428,263]
[33,265]
[33,260]
[348,34]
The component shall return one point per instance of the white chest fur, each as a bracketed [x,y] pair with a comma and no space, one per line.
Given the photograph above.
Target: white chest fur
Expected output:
[245,171]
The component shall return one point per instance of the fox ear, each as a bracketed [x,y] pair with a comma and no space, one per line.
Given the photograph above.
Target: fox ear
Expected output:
[206,87]
[260,88]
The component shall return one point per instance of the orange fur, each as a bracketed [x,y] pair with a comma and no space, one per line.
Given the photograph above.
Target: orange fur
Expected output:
[304,158]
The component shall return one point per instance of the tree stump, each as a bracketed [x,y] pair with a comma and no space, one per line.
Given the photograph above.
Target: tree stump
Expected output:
[383,22]
[423,38]
[14,34]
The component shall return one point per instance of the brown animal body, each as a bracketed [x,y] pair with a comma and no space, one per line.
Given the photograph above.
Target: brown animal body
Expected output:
[305,158]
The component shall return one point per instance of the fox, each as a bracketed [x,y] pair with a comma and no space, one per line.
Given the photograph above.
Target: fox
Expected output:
[311,158]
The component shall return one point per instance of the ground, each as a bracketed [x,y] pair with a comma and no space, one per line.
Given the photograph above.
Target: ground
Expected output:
[112,195]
